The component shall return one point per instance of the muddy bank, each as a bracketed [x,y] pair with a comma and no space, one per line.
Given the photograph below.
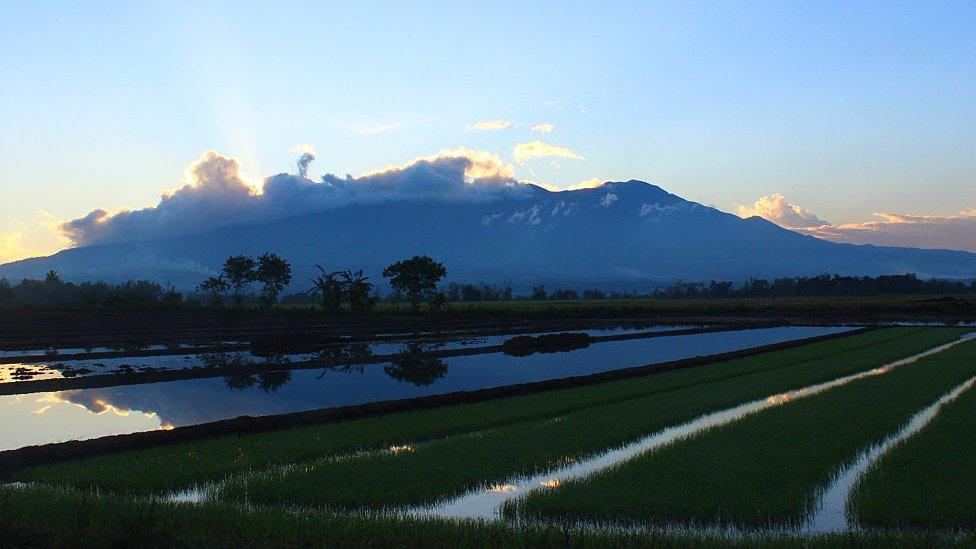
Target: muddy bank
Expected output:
[12,460]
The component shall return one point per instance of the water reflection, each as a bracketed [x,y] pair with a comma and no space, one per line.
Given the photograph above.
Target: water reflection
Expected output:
[831,513]
[193,401]
[268,382]
[47,363]
[416,367]
[49,417]
[343,354]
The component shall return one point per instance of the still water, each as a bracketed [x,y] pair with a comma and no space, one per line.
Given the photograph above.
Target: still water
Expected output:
[46,364]
[40,418]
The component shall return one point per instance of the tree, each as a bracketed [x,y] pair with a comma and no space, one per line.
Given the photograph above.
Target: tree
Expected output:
[6,292]
[274,273]
[329,287]
[538,292]
[417,277]
[357,288]
[216,286]
[239,272]
[438,302]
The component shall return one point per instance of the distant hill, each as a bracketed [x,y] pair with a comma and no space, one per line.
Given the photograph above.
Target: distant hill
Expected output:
[620,235]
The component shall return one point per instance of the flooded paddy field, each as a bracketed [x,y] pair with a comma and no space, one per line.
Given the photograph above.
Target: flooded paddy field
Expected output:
[54,363]
[785,447]
[53,416]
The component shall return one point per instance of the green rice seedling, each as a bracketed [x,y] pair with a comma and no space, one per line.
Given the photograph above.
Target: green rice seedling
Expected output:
[447,467]
[47,517]
[765,469]
[178,466]
[926,481]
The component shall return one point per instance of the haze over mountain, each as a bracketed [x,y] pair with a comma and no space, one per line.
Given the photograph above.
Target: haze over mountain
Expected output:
[621,234]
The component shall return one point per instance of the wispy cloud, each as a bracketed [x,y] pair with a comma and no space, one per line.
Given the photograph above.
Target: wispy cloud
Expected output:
[918,231]
[544,127]
[10,246]
[491,125]
[32,240]
[366,129]
[524,152]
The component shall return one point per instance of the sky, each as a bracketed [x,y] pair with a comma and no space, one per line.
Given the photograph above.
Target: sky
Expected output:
[817,115]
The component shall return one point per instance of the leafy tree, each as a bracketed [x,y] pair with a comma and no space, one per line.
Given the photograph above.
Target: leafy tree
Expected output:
[565,295]
[357,288]
[274,273]
[438,302]
[594,293]
[239,271]
[6,292]
[417,277]
[216,286]
[538,292]
[329,287]
[171,298]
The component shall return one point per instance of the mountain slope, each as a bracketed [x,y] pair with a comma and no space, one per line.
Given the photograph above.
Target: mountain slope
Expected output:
[623,234]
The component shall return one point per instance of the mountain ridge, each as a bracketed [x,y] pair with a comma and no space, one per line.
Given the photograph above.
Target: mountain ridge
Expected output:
[621,234]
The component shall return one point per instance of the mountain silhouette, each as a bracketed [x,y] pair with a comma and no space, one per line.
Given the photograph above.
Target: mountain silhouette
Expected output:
[621,234]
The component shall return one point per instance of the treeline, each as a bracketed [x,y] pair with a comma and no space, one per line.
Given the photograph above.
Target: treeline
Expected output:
[822,285]
[55,291]
[416,281]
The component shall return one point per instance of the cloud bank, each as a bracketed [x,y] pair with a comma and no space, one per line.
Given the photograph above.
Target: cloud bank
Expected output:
[776,209]
[916,231]
[216,194]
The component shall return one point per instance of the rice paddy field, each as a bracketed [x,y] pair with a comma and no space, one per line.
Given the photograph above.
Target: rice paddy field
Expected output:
[860,440]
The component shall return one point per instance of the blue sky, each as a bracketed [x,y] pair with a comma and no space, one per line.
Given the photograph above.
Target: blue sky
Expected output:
[846,108]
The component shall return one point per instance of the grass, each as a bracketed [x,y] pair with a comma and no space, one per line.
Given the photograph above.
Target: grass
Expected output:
[765,469]
[179,466]
[927,481]
[447,467]
[934,305]
[45,517]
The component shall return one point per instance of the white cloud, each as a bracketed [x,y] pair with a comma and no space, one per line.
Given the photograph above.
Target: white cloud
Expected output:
[491,125]
[775,208]
[216,194]
[591,183]
[524,152]
[655,211]
[890,229]
[608,200]
[545,127]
